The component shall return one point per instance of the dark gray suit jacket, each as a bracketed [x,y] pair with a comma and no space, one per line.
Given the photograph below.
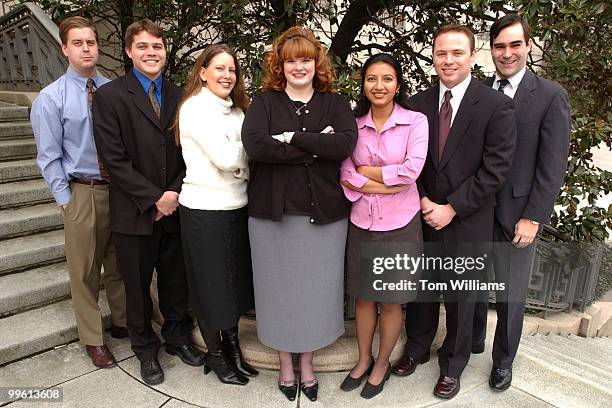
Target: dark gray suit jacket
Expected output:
[540,160]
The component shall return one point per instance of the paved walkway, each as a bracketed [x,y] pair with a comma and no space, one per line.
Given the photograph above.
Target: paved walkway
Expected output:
[537,383]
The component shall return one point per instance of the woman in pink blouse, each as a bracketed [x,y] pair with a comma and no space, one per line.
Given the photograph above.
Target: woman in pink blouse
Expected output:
[380,180]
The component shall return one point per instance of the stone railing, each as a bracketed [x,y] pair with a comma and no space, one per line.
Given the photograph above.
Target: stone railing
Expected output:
[30,52]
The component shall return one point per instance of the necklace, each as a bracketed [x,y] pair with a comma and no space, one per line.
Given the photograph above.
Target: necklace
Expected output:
[298,111]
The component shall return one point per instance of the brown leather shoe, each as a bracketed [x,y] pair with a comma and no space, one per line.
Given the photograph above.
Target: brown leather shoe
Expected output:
[406,365]
[446,387]
[118,332]
[100,356]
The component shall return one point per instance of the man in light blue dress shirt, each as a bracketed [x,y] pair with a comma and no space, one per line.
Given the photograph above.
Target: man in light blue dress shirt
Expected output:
[67,157]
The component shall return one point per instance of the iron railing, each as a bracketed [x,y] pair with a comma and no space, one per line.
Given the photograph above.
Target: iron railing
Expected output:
[30,51]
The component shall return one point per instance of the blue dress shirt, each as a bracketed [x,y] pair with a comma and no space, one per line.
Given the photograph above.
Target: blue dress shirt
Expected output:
[62,126]
[146,83]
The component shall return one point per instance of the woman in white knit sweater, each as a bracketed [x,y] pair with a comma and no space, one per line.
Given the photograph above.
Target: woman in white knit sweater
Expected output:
[213,208]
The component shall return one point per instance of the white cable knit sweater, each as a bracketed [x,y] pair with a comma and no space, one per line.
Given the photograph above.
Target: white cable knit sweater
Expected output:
[217,169]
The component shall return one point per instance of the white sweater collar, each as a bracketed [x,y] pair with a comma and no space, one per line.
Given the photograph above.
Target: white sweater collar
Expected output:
[224,105]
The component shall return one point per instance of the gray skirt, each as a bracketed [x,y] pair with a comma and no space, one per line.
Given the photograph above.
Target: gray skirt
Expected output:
[368,278]
[298,270]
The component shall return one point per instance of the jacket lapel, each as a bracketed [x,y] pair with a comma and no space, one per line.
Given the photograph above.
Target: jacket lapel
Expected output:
[525,93]
[464,116]
[140,98]
[170,97]
[431,103]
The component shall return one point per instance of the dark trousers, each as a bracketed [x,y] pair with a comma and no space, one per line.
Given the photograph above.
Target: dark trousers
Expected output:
[511,266]
[137,256]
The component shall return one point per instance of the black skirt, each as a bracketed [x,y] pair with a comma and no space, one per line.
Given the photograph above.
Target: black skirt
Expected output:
[218,265]
[370,277]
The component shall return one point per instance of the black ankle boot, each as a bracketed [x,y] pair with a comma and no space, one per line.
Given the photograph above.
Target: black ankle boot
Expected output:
[231,347]
[216,360]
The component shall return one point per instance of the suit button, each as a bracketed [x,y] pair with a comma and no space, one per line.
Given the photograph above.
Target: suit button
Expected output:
[303,129]
[312,220]
[312,204]
[306,164]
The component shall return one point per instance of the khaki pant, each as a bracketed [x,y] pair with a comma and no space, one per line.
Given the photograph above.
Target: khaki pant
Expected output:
[89,247]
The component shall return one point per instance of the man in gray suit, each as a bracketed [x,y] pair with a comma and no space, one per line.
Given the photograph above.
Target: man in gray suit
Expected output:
[527,198]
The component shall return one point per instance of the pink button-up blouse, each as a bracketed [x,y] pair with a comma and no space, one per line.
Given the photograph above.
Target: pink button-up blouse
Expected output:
[400,149]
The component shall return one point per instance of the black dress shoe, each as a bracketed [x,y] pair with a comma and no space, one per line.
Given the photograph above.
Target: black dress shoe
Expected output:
[187,353]
[406,365]
[370,391]
[500,378]
[310,389]
[289,389]
[446,387]
[151,372]
[350,383]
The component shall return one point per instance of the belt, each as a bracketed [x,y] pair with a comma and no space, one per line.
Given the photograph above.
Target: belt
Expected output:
[89,182]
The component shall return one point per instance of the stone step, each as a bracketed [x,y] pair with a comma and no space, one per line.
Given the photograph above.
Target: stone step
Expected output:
[26,220]
[9,112]
[564,360]
[15,130]
[18,170]
[32,288]
[35,250]
[577,348]
[40,329]
[20,193]
[17,149]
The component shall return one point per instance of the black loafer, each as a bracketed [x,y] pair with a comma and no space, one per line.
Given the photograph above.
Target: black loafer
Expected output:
[289,389]
[500,379]
[187,353]
[310,389]
[151,372]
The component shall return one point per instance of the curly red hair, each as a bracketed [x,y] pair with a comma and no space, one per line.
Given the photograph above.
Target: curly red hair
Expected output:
[298,42]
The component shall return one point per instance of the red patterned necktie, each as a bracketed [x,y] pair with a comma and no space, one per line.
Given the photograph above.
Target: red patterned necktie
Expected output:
[154,101]
[444,122]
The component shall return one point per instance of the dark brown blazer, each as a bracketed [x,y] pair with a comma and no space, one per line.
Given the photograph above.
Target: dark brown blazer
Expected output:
[476,160]
[138,151]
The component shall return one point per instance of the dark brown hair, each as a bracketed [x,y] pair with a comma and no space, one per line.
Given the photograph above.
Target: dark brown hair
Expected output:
[507,21]
[457,28]
[297,42]
[75,22]
[194,82]
[144,25]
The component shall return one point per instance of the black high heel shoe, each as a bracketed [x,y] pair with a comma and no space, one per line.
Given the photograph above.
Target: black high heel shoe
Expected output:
[350,383]
[289,389]
[231,347]
[225,370]
[370,391]
[310,389]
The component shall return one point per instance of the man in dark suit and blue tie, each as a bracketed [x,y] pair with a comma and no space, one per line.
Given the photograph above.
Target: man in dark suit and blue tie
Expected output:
[472,136]
[132,116]
[526,200]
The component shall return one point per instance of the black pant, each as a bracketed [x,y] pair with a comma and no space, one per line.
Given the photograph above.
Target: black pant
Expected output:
[512,267]
[137,256]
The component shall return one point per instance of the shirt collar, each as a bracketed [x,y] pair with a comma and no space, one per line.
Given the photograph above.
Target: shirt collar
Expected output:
[458,90]
[146,82]
[396,118]
[80,80]
[514,80]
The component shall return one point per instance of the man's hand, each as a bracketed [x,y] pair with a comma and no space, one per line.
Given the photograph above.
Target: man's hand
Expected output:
[438,216]
[167,203]
[524,233]
[328,130]
[158,216]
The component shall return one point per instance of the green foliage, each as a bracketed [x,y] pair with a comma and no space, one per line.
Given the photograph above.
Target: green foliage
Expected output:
[573,37]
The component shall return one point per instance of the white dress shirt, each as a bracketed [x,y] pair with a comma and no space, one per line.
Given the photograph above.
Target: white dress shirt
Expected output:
[514,81]
[457,91]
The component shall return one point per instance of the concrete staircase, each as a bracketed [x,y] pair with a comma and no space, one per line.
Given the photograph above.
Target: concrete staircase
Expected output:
[35,307]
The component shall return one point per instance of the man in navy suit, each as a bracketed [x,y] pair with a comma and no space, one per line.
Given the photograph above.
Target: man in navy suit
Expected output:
[527,198]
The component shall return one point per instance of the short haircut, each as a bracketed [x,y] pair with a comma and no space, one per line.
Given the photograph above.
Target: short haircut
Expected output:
[456,28]
[507,21]
[139,26]
[75,22]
